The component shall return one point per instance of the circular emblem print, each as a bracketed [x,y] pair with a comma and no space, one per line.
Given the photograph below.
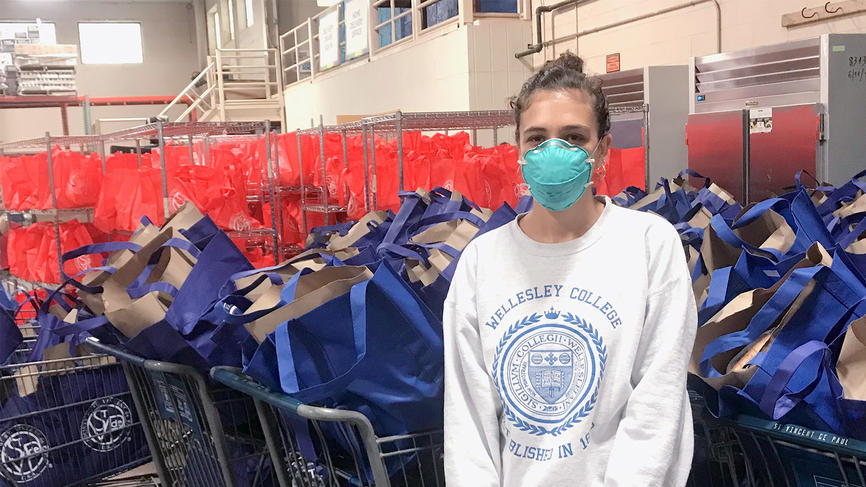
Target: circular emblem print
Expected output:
[106,424]
[240,223]
[548,369]
[521,190]
[22,453]
[178,199]
[82,263]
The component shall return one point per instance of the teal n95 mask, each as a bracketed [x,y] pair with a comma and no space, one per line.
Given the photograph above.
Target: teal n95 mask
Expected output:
[557,173]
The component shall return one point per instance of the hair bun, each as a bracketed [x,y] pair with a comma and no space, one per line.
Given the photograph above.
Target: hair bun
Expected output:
[567,60]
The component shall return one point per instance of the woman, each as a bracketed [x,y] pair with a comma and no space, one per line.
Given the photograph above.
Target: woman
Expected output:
[568,331]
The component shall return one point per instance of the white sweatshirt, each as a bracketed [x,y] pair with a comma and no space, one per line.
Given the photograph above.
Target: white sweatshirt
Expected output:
[565,364]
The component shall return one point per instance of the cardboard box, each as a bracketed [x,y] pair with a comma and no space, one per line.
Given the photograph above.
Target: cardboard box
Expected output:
[43,49]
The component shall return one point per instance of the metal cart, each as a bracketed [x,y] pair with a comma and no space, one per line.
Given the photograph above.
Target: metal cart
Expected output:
[321,447]
[750,451]
[200,433]
[68,421]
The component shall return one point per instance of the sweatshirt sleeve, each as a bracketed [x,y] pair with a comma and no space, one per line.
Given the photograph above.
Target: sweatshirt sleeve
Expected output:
[654,441]
[472,455]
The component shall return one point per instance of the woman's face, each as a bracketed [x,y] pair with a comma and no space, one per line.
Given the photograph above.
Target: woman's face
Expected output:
[562,114]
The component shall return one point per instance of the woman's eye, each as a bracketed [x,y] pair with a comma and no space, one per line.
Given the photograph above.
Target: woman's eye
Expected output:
[575,139]
[535,139]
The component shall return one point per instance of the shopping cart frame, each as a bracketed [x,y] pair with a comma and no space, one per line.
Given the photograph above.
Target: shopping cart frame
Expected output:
[204,401]
[23,371]
[376,457]
[844,452]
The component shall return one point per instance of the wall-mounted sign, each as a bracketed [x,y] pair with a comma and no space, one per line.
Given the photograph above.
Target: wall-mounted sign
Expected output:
[613,63]
[329,39]
[356,13]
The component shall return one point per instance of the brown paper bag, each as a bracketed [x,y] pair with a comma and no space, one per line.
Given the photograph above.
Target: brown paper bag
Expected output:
[856,206]
[313,290]
[358,230]
[654,195]
[851,366]
[185,217]
[737,314]
[130,316]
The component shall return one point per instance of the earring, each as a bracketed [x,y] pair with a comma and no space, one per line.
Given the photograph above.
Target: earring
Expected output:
[601,171]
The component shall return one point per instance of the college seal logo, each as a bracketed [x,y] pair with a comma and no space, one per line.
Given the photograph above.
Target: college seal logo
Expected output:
[23,453]
[548,369]
[106,424]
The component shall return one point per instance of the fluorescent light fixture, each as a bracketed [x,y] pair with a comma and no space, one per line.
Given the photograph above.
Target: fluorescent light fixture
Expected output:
[327,3]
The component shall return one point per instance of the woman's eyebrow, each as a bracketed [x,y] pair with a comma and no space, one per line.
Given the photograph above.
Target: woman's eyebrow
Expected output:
[536,129]
[574,127]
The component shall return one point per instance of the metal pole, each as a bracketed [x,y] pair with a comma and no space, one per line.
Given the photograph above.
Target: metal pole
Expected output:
[322,158]
[64,119]
[375,188]
[101,149]
[161,143]
[272,191]
[278,201]
[207,161]
[303,188]
[474,136]
[88,127]
[138,151]
[747,157]
[495,136]
[191,150]
[399,123]
[646,146]
[54,204]
[345,166]
[366,172]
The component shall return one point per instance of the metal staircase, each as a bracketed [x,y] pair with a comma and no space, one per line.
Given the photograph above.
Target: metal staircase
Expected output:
[235,85]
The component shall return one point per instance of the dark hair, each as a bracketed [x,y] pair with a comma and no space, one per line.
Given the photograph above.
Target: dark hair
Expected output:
[565,72]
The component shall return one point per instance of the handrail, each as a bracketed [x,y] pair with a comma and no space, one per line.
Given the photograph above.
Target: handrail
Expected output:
[163,115]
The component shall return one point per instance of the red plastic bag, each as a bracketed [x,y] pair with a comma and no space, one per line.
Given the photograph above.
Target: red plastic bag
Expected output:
[623,168]
[25,183]
[33,255]
[77,178]
[126,196]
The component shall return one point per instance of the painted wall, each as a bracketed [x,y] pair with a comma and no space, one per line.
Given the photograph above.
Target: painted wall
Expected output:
[467,68]
[294,12]
[672,38]
[432,75]
[169,52]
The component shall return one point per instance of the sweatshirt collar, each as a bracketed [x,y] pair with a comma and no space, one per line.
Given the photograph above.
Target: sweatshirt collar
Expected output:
[530,246]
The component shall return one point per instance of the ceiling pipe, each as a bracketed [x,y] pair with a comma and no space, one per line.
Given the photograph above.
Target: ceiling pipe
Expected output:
[539,12]
[536,48]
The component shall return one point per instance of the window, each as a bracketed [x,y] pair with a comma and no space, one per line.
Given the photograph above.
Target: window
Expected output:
[217,28]
[110,42]
[38,32]
[248,7]
[231,19]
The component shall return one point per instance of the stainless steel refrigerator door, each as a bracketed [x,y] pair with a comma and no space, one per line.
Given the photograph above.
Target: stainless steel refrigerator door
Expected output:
[791,144]
[715,145]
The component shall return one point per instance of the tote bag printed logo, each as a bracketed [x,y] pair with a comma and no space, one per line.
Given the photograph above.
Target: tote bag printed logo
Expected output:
[178,199]
[521,190]
[240,223]
[548,369]
[83,263]
[106,424]
[22,453]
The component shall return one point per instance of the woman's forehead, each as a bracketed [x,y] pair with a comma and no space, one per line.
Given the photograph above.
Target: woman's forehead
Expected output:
[555,108]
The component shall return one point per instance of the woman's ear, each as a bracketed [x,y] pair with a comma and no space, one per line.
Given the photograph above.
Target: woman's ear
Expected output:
[605,144]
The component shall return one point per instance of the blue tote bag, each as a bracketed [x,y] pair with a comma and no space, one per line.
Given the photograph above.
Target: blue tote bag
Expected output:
[381,355]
